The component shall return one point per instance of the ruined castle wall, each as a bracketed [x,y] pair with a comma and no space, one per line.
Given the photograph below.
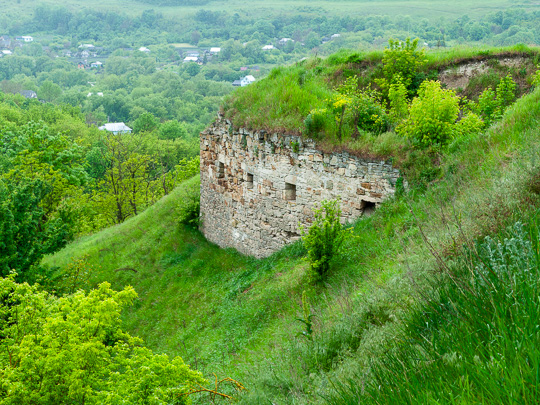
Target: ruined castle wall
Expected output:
[257,187]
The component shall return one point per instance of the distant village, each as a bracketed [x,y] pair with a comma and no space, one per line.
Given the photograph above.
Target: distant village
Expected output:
[91,57]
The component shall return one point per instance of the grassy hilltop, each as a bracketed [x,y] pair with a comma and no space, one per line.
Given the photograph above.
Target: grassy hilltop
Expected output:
[397,284]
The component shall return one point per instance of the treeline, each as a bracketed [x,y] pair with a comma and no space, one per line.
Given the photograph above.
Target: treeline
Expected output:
[60,178]
[506,27]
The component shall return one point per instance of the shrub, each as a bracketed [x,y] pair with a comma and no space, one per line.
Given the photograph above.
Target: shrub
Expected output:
[506,93]
[536,77]
[469,124]
[188,209]
[487,105]
[432,115]
[401,60]
[315,121]
[397,94]
[324,237]
[361,108]
[492,104]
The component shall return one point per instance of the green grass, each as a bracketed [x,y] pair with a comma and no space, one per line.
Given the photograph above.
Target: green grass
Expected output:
[476,340]
[236,316]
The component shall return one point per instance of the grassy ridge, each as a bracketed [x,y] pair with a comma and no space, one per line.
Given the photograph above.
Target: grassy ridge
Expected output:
[226,313]
[282,101]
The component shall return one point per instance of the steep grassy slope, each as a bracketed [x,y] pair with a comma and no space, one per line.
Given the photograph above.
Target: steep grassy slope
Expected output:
[237,316]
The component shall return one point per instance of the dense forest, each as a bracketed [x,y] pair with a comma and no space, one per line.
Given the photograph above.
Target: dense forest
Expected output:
[110,294]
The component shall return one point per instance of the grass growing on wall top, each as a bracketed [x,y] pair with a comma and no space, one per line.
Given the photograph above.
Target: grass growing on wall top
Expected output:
[282,101]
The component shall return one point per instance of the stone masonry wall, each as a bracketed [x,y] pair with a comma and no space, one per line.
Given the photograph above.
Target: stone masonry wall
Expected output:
[257,187]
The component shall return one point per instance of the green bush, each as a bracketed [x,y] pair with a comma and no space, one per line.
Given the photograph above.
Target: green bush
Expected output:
[432,115]
[492,104]
[397,94]
[401,61]
[361,109]
[315,121]
[188,209]
[325,236]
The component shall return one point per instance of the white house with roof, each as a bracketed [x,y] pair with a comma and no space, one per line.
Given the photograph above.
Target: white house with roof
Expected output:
[244,81]
[144,49]
[192,59]
[215,50]
[268,47]
[24,38]
[116,128]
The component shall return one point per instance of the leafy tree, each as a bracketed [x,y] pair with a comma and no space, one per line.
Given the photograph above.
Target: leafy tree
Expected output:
[193,69]
[72,350]
[324,238]
[172,130]
[145,123]
[49,91]
[26,233]
[312,40]
[401,62]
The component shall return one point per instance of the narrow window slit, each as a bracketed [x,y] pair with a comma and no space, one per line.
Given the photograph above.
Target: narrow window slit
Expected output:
[220,170]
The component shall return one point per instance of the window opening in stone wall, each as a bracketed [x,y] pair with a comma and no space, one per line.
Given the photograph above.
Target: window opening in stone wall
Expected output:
[367,207]
[290,191]
[220,170]
[249,180]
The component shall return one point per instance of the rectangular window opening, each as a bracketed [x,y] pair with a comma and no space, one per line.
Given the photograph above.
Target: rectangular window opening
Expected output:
[220,170]
[249,180]
[367,207]
[290,191]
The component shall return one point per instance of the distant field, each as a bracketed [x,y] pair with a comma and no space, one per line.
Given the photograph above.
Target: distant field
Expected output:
[419,9]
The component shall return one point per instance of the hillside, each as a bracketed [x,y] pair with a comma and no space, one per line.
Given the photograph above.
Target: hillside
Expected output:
[238,317]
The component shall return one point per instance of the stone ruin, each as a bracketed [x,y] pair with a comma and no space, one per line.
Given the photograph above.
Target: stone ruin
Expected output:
[257,188]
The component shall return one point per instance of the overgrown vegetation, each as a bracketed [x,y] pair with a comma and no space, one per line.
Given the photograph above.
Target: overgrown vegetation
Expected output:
[73,350]
[351,94]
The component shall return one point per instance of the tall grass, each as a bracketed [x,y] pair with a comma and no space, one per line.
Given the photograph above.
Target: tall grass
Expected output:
[477,341]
